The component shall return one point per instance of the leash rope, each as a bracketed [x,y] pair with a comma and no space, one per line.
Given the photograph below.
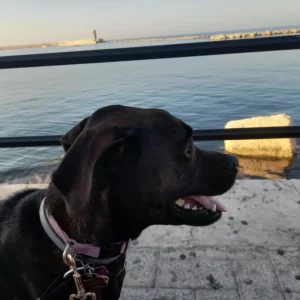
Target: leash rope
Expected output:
[85,277]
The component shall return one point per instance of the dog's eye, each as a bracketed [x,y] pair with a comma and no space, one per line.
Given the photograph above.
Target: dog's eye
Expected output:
[189,148]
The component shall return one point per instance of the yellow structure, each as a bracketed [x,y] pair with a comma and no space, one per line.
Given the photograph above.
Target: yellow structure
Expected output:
[286,147]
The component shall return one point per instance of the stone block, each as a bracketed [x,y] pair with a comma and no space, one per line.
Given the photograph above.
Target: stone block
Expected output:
[286,147]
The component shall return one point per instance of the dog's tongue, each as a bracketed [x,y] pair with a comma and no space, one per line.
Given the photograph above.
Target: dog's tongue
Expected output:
[207,202]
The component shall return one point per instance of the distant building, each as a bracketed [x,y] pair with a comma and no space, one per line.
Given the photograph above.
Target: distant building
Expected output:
[95,36]
[96,39]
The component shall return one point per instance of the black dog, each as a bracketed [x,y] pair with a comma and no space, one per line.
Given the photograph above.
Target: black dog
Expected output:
[124,169]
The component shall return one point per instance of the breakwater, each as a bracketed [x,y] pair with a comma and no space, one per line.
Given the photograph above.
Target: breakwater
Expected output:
[253,34]
[52,44]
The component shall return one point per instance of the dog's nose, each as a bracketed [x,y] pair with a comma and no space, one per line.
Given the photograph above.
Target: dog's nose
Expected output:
[234,160]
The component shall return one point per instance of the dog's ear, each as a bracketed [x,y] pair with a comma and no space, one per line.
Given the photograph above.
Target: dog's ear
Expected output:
[74,176]
[69,138]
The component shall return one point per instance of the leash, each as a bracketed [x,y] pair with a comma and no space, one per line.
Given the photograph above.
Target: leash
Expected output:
[87,264]
[81,284]
[64,289]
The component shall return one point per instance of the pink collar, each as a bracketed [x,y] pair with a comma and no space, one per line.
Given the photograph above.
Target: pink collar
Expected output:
[61,239]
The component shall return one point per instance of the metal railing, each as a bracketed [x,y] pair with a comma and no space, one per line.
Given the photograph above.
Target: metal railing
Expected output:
[199,135]
[158,52]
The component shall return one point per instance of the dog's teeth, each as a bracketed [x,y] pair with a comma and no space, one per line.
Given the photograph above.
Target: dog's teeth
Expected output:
[200,208]
[187,206]
[180,202]
[194,208]
[214,208]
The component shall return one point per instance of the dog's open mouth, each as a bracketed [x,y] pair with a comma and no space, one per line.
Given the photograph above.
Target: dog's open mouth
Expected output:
[197,210]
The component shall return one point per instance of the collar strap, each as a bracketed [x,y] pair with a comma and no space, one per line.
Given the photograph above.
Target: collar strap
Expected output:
[100,255]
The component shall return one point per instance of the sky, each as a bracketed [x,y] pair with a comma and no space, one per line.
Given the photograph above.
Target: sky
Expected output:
[37,21]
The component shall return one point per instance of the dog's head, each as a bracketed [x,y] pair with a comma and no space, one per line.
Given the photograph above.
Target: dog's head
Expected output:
[140,167]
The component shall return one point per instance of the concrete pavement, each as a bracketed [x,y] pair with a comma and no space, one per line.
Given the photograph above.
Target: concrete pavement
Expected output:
[252,253]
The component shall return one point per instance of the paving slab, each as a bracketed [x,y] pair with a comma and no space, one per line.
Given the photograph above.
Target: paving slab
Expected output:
[217,295]
[296,183]
[292,296]
[252,253]
[195,269]
[255,273]
[286,262]
[199,253]
[260,294]
[260,212]
[157,294]
[210,274]
[143,265]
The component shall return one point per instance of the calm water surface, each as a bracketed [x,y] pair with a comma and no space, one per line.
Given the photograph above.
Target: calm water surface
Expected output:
[206,92]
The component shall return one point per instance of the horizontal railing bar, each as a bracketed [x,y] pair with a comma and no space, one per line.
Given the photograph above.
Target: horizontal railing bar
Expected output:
[151,52]
[247,133]
[199,135]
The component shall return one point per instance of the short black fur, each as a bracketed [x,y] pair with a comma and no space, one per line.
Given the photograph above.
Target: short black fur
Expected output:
[123,170]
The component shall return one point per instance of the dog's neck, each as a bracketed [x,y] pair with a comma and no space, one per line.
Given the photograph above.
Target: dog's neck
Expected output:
[84,228]
[97,225]
[89,251]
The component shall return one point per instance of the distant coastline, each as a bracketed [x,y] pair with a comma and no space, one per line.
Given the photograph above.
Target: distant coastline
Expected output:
[160,39]
[212,37]
[253,34]
[229,36]
[53,44]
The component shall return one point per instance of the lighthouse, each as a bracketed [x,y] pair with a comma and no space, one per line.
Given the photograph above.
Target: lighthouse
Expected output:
[95,36]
